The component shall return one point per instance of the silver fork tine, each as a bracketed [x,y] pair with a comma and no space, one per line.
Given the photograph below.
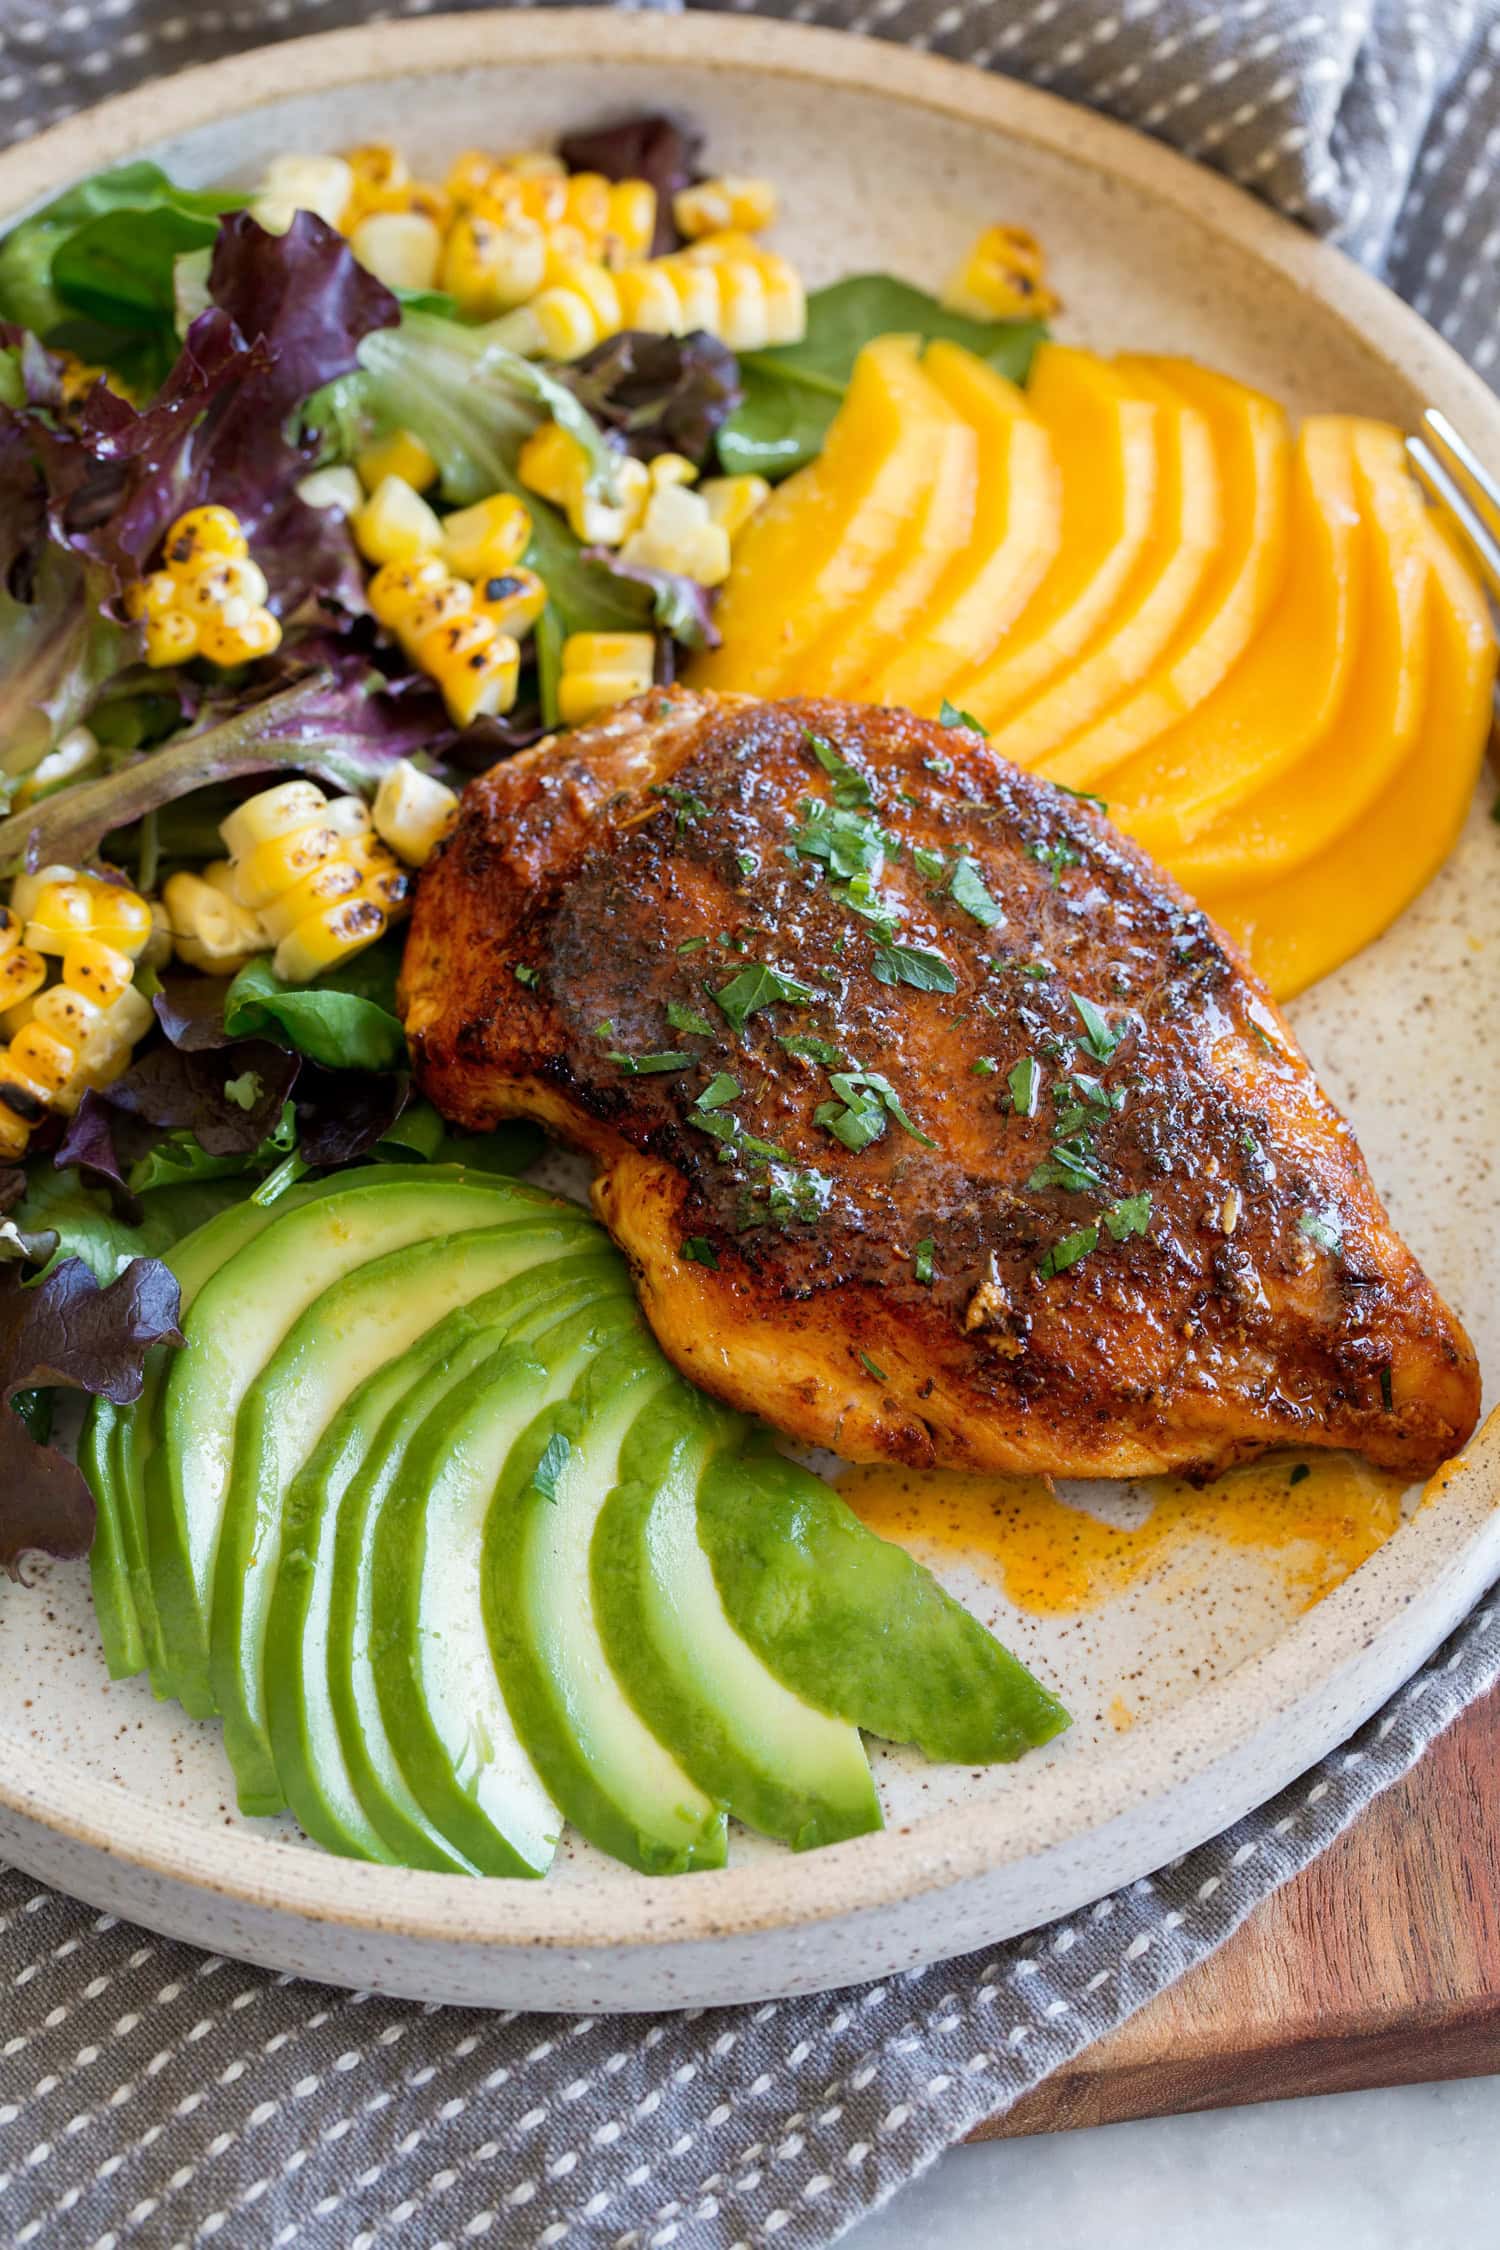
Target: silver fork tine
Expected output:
[1437,475]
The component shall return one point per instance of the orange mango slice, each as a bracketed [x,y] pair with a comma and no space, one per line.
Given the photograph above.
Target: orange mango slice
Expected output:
[1253,451]
[1308,806]
[1283,696]
[1186,529]
[1106,447]
[1013,540]
[1299,927]
[834,664]
[824,537]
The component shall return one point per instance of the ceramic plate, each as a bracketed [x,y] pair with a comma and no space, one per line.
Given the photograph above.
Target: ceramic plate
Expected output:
[1203,1681]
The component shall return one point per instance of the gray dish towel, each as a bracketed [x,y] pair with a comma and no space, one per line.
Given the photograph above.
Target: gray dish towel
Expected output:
[151,2095]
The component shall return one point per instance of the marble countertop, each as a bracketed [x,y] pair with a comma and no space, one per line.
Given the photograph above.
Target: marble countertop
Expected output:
[1402,2168]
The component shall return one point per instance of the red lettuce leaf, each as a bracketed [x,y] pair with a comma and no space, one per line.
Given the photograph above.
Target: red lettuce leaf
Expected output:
[659,394]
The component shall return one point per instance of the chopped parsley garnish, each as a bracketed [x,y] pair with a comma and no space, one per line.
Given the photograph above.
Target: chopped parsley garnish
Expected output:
[870,1368]
[984,1068]
[756,987]
[1300,1474]
[701,1252]
[921,1261]
[864,1101]
[929,865]
[1071,1165]
[1055,857]
[1067,1253]
[1100,1040]
[1131,1215]
[551,1465]
[949,715]
[1084,796]
[910,964]
[691,944]
[793,1192]
[848,843]
[1025,1083]
[942,767]
[688,1019]
[816,1050]
[851,789]
[720,1089]
[1037,971]
[1325,1232]
[647,1066]
[968,890]
[745,864]
[688,807]
[524,974]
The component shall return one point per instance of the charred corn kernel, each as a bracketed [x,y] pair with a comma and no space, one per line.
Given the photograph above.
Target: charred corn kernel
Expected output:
[469,176]
[648,301]
[587,204]
[631,225]
[322,184]
[349,815]
[1003,277]
[696,290]
[401,454]
[732,501]
[258,634]
[489,265]
[512,599]
[170,639]
[339,489]
[396,586]
[382,178]
[475,665]
[395,524]
[600,669]
[21,1094]
[553,463]
[384,879]
[760,300]
[593,281]
[81,905]
[14,1134]
[152,596]
[325,938]
[564,324]
[23,971]
[201,533]
[226,586]
[209,930]
[96,972]
[70,1016]
[273,867]
[401,248]
[714,205]
[76,751]
[490,536]
[678,534]
[412,811]
[46,1060]
[565,244]
[335,879]
[443,605]
[277,811]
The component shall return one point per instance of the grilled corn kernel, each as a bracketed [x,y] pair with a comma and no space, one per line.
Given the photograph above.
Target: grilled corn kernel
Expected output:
[600,669]
[209,930]
[553,463]
[476,667]
[534,164]
[678,534]
[22,1095]
[714,205]
[564,324]
[87,906]
[592,281]
[271,812]
[696,289]
[349,815]
[152,596]
[632,222]
[512,599]
[339,489]
[95,971]
[445,604]
[28,888]
[732,501]
[389,885]
[382,178]
[170,639]
[273,867]
[412,811]
[403,455]
[327,937]
[323,184]
[258,634]
[228,586]
[587,204]
[70,1016]
[490,536]
[396,586]
[671,468]
[401,248]
[469,176]
[10,931]
[395,524]
[45,1059]
[489,265]
[1003,277]
[14,1134]
[335,879]
[430,201]
[204,532]
[648,301]
[23,971]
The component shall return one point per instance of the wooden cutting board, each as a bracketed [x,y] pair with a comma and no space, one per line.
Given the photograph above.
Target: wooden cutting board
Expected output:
[1378,1966]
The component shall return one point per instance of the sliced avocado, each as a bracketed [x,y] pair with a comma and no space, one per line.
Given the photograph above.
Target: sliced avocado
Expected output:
[448,1721]
[850,1622]
[238,1317]
[522,1263]
[614,1779]
[774,1761]
[109,1569]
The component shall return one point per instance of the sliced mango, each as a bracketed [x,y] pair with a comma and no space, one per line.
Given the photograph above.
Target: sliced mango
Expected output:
[824,536]
[1186,530]
[883,614]
[1014,537]
[1309,806]
[1300,927]
[1253,450]
[1285,692]
[1106,446]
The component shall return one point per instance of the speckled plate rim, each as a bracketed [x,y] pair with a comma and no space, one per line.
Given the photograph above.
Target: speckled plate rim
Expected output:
[1353,1649]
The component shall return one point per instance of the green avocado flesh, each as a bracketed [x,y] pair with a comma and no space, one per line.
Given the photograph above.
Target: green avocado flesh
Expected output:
[422,1513]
